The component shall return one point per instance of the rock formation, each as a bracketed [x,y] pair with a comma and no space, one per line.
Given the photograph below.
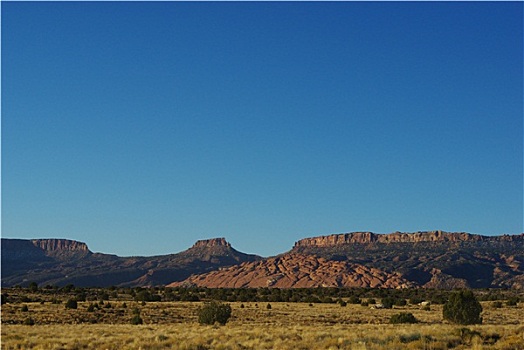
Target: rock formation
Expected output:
[296,271]
[432,259]
[398,237]
[213,242]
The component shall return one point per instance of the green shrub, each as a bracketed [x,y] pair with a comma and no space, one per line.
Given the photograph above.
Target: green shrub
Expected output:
[137,319]
[29,321]
[71,304]
[214,312]
[25,308]
[462,308]
[403,317]
[354,300]
[388,302]
[268,306]
[497,304]
[400,302]
[513,301]
[33,287]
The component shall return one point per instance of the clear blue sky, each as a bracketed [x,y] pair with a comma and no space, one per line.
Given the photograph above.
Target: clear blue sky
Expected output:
[139,128]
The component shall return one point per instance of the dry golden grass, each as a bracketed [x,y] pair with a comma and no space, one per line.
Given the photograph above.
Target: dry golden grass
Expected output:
[173,325]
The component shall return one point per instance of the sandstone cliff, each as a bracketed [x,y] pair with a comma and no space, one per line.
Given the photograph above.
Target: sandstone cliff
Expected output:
[432,259]
[213,242]
[399,237]
[62,248]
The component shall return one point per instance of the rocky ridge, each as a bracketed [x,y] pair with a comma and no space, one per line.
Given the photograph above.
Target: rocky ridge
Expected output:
[398,237]
[296,271]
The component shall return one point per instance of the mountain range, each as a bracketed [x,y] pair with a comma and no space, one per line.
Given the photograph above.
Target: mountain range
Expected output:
[429,259]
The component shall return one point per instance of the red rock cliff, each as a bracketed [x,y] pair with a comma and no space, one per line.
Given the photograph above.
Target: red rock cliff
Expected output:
[213,242]
[60,244]
[396,237]
[62,248]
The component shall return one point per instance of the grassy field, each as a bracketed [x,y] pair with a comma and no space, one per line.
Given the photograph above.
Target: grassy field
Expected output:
[253,326]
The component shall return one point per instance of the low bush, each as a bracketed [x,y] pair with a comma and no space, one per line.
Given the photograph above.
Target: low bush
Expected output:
[497,304]
[137,319]
[354,300]
[71,304]
[403,317]
[214,312]
[29,321]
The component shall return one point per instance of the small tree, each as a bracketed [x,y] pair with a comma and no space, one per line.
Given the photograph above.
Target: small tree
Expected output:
[462,308]
[214,312]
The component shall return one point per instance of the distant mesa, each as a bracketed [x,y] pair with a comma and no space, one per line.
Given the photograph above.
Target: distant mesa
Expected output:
[212,242]
[396,237]
[426,259]
[55,245]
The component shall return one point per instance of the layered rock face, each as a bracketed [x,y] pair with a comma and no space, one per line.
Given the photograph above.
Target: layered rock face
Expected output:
[62,245]
[62,248]
[213,242]
[431,259]
[397,237]
[296,271]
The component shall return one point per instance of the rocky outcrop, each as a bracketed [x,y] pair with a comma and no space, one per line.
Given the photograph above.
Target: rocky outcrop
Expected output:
[400,237]
[213,242]
[296,271]
[440,280]
[62,248]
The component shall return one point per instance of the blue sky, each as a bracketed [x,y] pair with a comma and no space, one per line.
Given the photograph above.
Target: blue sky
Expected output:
[139,128]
